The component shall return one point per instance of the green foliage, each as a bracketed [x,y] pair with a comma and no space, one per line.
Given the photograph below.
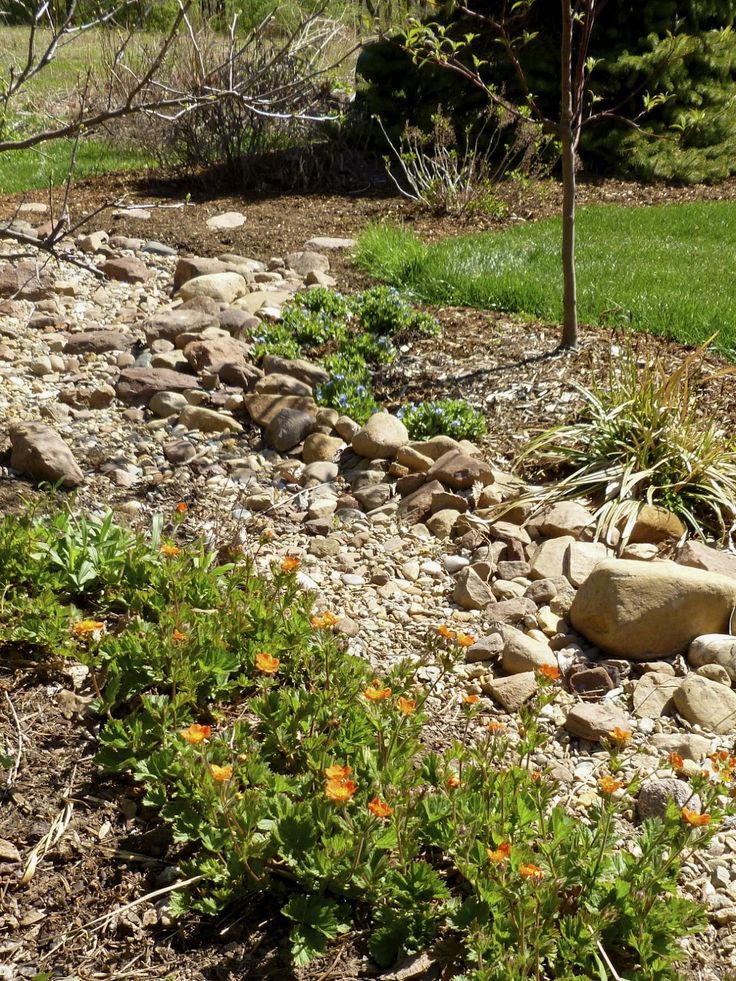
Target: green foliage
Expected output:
[643,437]
[384,310]
[446,417]
[290,776]
[349,388]
[635,269]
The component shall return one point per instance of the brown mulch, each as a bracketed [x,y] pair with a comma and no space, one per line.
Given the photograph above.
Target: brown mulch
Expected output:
[108,855]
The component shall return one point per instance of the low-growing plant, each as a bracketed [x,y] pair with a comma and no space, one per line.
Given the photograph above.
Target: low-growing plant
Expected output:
[644,437]
[384,310]
[274,337]
[317,317]
[446,417]
[290,775]
[349,388]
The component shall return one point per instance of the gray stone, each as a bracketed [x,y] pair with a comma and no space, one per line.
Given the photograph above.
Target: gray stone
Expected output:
[38,451]
[165,404]
[656,794]
[649,610]
[470,592]
[330,243]
[689,745]
[224,287]
[306,262]
[485,648]
[698,555]
[550,559]
[288,428]
[179,451]
[97,341]
[226,222]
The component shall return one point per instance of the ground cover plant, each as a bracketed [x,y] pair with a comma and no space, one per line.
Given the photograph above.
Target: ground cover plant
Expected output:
[289,775]
[643,437]
[653,269]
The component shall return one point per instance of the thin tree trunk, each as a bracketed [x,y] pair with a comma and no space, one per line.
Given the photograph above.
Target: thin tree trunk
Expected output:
[567,138]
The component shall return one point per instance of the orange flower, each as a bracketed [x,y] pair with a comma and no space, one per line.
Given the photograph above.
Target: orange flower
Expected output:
[500,854]
[374,693]
[170,551]
[337,772]
[407,706]
[220,773]
[181,508]
[86,628]
[178,635]
[267,663]
[535,775]
[608,785]
[676,761]
[621,736]
[379,808]
[549,671]
[323,620]
[444,631]
[196,733]
[290,564]
[693,818]
[340,791]
[496,728]
[471,699]
[464,640]
[531,871]
[453,781]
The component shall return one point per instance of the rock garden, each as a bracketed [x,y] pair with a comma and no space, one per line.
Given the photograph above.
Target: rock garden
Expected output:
[231,505]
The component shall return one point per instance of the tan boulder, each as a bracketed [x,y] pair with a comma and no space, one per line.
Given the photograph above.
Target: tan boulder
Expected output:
[706,703]
[648,610]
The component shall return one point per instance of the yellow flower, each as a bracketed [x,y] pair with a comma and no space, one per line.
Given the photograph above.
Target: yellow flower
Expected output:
[337,772]
[374,693]
[464,640]
[322,621]
[620,736]
[196,733]
[693,818]
[609,785]
[453,781]
[86,628]
[471,699]
[290,564]
[170,551]
[220,773]
[379,808]
[340,791]
[531,871]
[500,854]
[267,663]
[407,706]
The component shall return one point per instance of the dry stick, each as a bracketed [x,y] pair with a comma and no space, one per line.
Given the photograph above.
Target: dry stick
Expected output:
[606,958]
[13,771]
[52,836]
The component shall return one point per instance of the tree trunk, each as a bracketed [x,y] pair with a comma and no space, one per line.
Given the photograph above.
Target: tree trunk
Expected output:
[567,137]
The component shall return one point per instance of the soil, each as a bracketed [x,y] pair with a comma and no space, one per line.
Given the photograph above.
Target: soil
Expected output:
[105,854]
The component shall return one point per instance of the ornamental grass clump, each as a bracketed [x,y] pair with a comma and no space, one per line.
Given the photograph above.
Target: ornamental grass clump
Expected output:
[645,437]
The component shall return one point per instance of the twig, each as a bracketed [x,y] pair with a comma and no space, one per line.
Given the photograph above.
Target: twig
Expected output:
[15,767]
[52,836]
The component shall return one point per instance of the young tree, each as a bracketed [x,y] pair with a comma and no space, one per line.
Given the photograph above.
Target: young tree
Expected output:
[507,24]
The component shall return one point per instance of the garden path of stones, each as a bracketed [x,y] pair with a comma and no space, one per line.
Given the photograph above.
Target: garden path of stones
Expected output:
[139,390]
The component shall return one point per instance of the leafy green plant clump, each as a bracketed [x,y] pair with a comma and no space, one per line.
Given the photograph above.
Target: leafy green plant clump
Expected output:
[293,778]
[643,438]
[446,417]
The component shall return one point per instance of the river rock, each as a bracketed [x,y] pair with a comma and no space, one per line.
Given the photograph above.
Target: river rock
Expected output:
[224,287]
[511,693]
[649,610]
[137,386]
[459,471]
[656,794]
[381,437]
[595,720]
[470,592]
[523,653]
[706,703]
[698,555]
[97,342]
[39,451]
[653,695]
[126,269]
[288,428]
[714,649]
[208,420]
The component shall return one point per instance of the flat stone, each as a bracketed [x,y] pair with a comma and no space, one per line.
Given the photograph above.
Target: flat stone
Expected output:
[169,324]
[511,693]
[307,372]
[97,341]
[190,266]
[459,471]
[306,262]
[485,649]
[179,451]
[515,612]
[213,354]
[264,408]
[165,404]
[226,222]
[649,610]
[283,385]
[137,386]
[550,559]
[208,420]
[413,460]
[565,518]
[224,287]
[706,703]
[591,682]
[714,672]
[330,243]
[126,269]
[689,745]
[595,720]
[38,451]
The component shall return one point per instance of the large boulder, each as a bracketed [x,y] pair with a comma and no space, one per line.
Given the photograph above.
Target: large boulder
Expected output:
[381,437]
[39,451]
[649,610]
[224,287]
[698,555]
[459,471]
[717,649]
[137,386]
[707,703]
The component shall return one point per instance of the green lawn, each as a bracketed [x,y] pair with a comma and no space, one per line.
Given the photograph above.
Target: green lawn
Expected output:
[25,170]
[667,270]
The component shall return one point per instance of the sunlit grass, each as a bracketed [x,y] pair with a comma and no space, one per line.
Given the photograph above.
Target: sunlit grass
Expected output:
[26,170]
[664,270]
